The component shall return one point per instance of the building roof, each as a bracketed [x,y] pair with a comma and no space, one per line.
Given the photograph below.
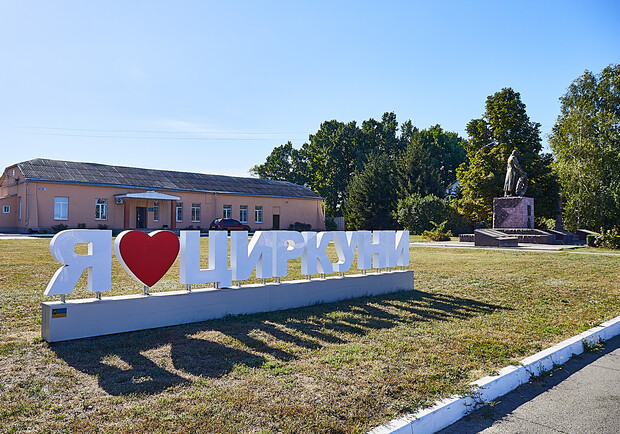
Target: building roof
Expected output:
[72,172]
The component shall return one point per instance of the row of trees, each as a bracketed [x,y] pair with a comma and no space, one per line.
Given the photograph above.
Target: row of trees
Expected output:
[363,171]
[380,174]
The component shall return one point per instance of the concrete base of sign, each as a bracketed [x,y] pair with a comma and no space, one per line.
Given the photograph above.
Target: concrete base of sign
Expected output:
[92,317]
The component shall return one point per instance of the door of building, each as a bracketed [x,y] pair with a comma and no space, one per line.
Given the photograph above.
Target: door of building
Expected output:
[276,221]
[141,217]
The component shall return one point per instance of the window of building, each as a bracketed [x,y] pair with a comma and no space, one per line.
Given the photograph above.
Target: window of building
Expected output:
[156,211]
[258,214]
[227,212]
[61,208]
[19,211]
[195,212]
[101,209]
[6,209]
[179,212]
[243,213]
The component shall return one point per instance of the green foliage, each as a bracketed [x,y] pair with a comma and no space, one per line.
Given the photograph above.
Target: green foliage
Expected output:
[586,142]
[330,224]
[415,171]
[609,239]
[81,226]
[59,227]
[416,212]
[591,240]
[332,155]
[593,346]
[504,126]
[285,163]
[371,195]
[544,223]
[438,233]
[448,153]
[425,161]
[102,226]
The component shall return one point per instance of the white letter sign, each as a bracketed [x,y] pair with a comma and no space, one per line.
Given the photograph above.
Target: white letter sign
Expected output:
[98,260]
[314,258]
[244,257]
[190,271]
[282,251]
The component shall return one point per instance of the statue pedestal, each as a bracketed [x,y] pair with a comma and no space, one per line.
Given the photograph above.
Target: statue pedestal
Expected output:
[513,212]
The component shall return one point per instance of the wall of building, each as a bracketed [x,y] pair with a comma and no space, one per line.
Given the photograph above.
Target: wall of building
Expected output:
[8,219]
[12,193]
[37,206]
[290,210]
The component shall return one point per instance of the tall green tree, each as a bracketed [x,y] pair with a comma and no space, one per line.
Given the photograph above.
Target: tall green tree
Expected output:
[428,163]
[586,142]
[382,137]
[331,156]
[448,152]
[504,126]
[285,163]
[417,171]
[371,195]
[422,161]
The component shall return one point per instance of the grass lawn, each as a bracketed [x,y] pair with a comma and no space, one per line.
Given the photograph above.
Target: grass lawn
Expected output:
[340,367]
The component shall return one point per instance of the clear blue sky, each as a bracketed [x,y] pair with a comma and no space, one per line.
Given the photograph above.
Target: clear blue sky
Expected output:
[212,87]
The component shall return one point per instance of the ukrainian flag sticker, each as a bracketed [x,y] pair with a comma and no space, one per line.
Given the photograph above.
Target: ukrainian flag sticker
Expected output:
[59,313]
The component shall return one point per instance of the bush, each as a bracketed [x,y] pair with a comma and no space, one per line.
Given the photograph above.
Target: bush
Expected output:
[416,213]
[81,225]
[458,224]
[438,233]
[545,223]
[330,224]
[100,226]
[57,228]
[591,240]
[609,239]
[299,227]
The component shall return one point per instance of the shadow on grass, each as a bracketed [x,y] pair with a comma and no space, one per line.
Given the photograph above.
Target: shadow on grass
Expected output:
[136,362]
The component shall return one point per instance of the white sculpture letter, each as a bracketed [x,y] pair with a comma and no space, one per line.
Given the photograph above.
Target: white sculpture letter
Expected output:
[190,271]
[345,244]
[398,249]
[282,251]
[244,257]
[97,262]
[315,259]
[372,247]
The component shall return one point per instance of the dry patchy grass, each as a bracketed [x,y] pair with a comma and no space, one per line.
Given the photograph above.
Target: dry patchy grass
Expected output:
[340,367]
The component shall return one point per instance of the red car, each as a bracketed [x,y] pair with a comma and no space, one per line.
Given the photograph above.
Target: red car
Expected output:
[228,225]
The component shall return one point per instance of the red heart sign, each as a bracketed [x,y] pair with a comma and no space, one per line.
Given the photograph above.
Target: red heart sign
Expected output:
[146,257]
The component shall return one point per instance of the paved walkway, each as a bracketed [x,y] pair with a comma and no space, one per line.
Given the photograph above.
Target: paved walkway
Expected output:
[581,396]
[520,247]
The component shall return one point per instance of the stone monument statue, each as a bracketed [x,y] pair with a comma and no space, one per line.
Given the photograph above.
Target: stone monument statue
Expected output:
[514,210]
[515,183]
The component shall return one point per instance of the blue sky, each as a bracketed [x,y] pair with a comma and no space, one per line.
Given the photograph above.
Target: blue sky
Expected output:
[212,87]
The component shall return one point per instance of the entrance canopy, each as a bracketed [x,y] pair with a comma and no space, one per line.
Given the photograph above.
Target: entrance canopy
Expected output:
[149,195]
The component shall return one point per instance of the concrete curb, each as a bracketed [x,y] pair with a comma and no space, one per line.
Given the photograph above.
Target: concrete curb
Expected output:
[445,412]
